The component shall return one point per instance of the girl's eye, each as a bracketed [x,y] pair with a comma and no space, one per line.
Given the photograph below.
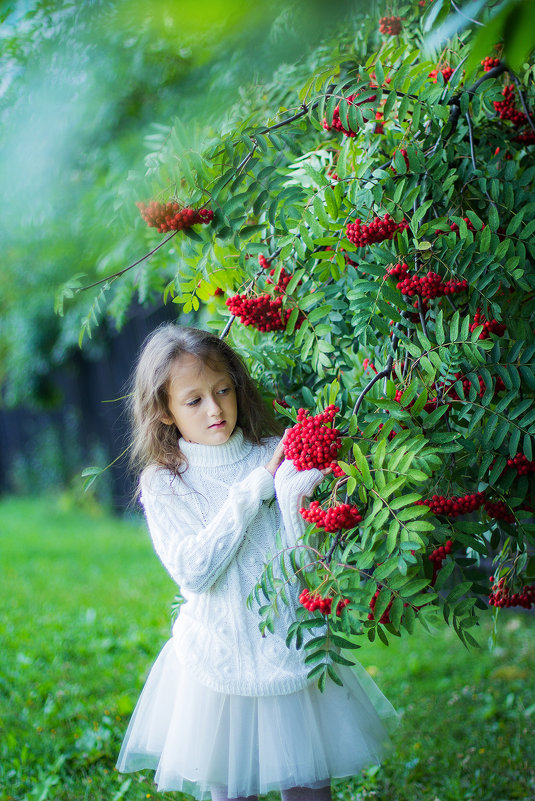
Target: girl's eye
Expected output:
[193,402]
[223,391]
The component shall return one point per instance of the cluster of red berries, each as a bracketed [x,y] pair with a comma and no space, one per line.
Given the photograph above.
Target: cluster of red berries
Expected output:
[170,217]
[455,227]
[390,26]
[377,231]
[313,601]
[507,109]
[284,277]
[385,617]
[310,442]
[437,557]
[489,63]
[440,553]
[501,595]
[367,363]
[337,122]
[373,81]
[428,286]
[332,519]
[446,72]
[262,312]
[499,510]
[405,156]
[521,464]
[489,326]
[429,406]
[452,394]
[453,507]
[282,283]
[526,138]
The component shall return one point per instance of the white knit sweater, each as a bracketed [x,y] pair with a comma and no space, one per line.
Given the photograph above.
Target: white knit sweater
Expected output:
[214,529]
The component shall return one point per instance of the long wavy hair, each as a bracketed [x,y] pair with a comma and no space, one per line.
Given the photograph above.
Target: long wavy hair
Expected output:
[155,442]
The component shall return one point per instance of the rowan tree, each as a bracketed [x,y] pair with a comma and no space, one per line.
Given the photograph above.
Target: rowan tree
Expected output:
[363,233]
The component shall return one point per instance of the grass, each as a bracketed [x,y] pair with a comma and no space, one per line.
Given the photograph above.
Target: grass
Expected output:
[85,610]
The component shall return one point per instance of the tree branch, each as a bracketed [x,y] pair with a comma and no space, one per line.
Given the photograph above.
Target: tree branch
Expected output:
[113,276]
[522,100]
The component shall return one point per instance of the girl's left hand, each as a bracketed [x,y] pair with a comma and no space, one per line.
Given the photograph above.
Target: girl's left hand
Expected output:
[278,456]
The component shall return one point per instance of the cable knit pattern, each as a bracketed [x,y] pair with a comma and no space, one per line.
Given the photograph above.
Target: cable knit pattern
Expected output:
[214,527]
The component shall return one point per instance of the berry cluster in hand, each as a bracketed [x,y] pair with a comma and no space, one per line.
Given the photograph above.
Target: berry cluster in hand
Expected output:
[337,122]
[390,26]
[489,326]
[446,72]
[499,510]
[377,231]
[522,465]
[310,442]
[507,109]
[170,217]
[489,63]
[501,595]
[453,507]
[262,312]
[429,286]
[314,602]
[332,519]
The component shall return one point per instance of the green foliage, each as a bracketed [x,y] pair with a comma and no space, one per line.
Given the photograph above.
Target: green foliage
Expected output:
[454,397]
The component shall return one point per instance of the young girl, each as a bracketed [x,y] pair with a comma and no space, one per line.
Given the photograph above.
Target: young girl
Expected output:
[226,711]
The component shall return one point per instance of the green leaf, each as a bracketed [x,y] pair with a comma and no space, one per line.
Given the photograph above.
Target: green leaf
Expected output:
[362,466]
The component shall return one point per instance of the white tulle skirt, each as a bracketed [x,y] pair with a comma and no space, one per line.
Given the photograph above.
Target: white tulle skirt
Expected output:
[194,737]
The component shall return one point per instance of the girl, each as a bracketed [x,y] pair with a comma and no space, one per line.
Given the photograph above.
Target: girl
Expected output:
[226,711]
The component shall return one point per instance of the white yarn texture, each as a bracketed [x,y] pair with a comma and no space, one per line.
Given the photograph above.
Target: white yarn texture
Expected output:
[214,527]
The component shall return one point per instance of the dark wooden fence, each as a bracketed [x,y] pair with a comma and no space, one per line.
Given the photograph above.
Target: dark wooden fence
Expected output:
[48,449]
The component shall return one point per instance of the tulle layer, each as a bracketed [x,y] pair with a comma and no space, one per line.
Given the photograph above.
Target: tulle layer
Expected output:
[194,737]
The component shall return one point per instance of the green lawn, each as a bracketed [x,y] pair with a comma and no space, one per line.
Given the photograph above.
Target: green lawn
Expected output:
[85,610]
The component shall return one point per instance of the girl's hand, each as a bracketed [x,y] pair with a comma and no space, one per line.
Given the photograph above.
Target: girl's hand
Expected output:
[278,456]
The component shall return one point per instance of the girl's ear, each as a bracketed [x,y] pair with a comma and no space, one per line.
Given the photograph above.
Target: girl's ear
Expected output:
[168,421]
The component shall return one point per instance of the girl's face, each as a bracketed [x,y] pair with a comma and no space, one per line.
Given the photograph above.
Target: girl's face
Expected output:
[202,401]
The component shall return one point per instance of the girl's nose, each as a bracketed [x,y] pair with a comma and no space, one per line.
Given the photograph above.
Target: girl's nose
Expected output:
[214,407]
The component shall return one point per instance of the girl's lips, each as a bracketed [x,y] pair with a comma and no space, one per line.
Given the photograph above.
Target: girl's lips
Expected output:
[218,425]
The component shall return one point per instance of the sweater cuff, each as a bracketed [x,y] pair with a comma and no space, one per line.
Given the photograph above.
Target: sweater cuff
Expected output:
[290,481]
[263,483]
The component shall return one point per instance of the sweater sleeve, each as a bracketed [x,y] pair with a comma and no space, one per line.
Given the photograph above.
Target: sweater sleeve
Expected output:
[291,487]
[194,554]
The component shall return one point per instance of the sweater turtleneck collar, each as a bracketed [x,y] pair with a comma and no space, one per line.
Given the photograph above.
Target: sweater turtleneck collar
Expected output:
[231,451]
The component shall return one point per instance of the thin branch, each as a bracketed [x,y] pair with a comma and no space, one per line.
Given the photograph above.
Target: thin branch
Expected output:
[471,138]
[304,110]
[130,266]
[422,315]
[455,101]
[458,10]
[382,374]
[522,100]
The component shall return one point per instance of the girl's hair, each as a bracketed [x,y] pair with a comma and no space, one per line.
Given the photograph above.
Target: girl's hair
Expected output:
[155,442]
